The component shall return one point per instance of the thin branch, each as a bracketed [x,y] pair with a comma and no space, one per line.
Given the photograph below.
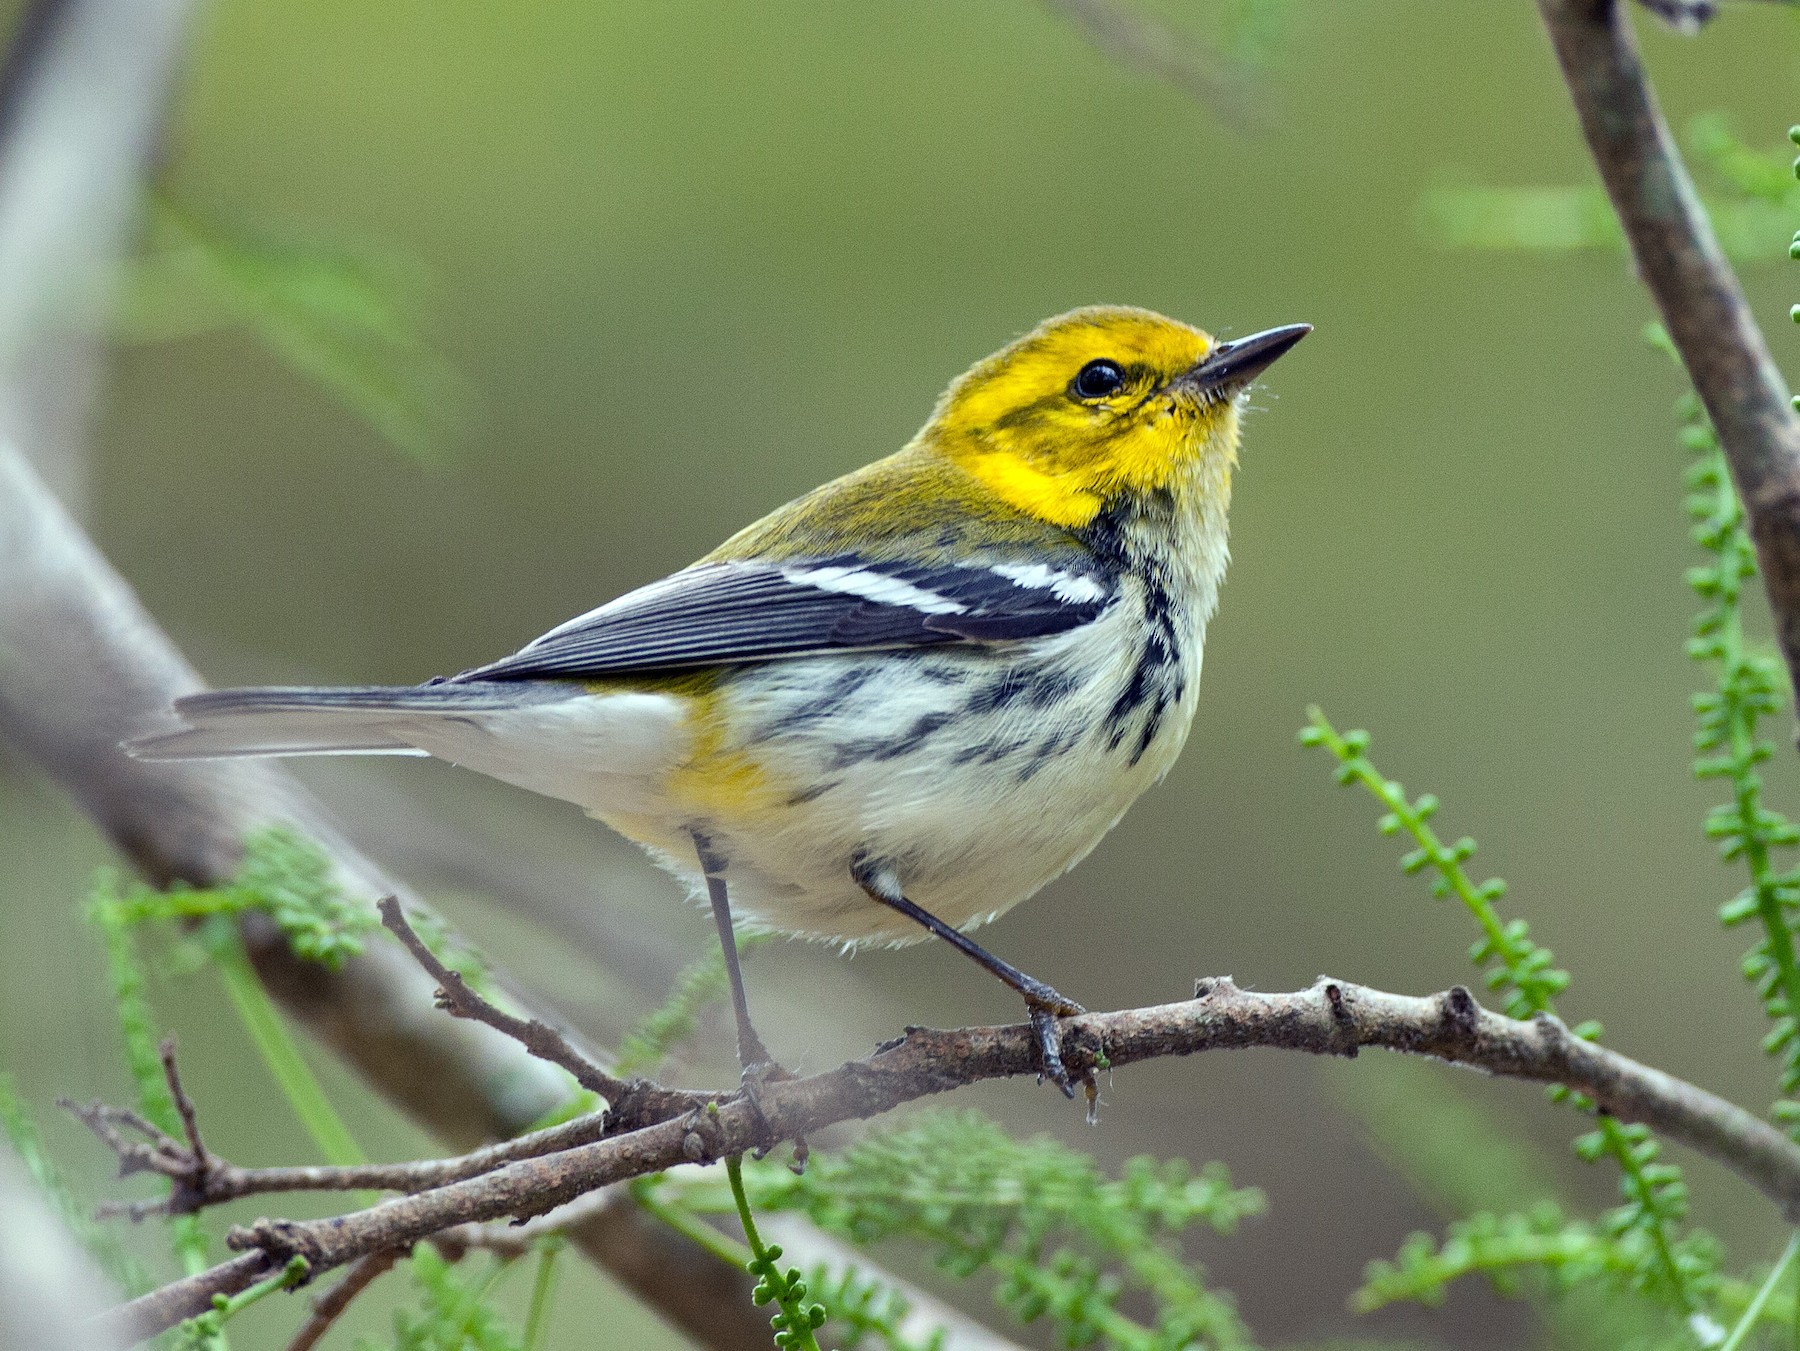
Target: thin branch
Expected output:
[631,1103]
[178,1301]
[225,1181]
[184,1108]
[515,1240]
[331,1305]
[1695,291]
[1330,1018]
[155,1152]
[456,998]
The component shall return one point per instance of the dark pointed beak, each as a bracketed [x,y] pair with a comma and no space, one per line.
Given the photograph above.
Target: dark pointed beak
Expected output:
[1231,365]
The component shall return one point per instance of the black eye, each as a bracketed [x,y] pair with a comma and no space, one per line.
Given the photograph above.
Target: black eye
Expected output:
[1097,379]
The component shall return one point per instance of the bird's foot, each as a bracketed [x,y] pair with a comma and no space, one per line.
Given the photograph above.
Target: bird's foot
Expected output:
[761,1073]
[1045,1006]
[757,1076]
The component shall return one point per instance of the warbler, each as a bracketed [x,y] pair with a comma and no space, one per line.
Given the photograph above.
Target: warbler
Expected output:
[902,703]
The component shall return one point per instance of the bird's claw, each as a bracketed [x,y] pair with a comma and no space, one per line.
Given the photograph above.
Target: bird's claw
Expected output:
[757,1076]
[1045,1006]
[1049,1037]
[761,1073]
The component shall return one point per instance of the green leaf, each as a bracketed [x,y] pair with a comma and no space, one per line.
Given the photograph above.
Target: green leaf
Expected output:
[344,317]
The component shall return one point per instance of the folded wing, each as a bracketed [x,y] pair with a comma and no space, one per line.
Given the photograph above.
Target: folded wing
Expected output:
[741,611]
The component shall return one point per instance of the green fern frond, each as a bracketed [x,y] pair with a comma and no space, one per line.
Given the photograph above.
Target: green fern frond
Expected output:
[1655,1195]
[345,316]
[452,1313]
[1502,1248]
[1062,1240]
[868,1312]
[697,984]
[284,876]
[1748,686]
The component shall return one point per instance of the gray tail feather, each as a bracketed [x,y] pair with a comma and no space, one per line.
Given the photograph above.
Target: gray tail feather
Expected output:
[342,720]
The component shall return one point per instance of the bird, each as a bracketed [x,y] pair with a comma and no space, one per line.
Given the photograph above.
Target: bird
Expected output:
[902,703]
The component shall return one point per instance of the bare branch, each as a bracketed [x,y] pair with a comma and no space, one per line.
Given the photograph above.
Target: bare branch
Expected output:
[1694,288]
[329,1306]
[456,998]
[1330,1018]
[515,1240]
[224,1181]
[163,1308]
[184,1108]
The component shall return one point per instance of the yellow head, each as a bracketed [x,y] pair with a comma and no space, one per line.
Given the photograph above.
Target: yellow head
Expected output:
[1099,403]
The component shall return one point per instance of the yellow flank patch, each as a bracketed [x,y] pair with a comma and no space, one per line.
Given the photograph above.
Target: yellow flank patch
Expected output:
[1025,487]
[716,780]
[724,784]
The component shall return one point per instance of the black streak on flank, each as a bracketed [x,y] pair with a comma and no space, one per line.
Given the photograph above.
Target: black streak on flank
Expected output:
[1152,725]
[891,748]
[1039,687]
[836,695]
[1155,680]
[990,752]
[1149,682]
[937,673]
[818,790]
[1048,750]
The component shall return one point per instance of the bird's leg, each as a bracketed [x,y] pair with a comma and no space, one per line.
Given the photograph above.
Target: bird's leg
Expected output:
[1042,1003]
[752,1054]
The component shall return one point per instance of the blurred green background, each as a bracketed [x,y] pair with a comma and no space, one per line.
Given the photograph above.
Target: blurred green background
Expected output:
[690,259]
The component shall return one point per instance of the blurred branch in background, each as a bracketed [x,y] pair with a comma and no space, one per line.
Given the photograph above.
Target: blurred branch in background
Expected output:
[82,95]
[1698,297]
[48,1287]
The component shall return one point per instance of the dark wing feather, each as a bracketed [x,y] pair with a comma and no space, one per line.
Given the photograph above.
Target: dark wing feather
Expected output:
[758,611]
